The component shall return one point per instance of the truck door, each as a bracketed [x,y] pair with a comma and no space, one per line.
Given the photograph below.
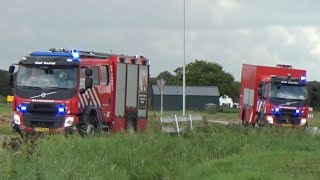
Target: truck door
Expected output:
[132,91]
[143,91]
[104,91]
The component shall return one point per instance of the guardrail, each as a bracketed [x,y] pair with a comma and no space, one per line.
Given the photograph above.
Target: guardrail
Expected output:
[177,124]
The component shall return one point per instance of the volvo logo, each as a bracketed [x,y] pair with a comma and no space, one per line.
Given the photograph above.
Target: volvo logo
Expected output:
[288,103]
[43,95]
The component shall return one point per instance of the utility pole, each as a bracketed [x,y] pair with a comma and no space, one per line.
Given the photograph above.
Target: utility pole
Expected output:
[184,60]
[161,93]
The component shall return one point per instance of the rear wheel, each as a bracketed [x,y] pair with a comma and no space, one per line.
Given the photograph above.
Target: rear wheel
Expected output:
[131,125]
[244,122]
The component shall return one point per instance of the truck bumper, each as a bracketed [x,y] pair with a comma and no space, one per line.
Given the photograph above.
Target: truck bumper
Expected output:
[289,122]
[67,127]
[22,129]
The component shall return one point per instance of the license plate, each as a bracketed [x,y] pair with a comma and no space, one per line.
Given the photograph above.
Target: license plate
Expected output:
[287,125]
[42,129]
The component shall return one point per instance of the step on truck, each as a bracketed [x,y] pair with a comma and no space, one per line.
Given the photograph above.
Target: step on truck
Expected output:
[69,90]
[273,95]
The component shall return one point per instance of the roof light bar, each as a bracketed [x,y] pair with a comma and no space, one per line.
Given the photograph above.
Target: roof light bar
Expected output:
[51,54]
[73,53]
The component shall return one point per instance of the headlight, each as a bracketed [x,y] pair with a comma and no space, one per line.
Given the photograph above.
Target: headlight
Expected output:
[303,121]
[16,119]
[270,119]
[68,122]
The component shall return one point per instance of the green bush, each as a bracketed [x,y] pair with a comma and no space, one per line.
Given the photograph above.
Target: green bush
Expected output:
[211,108]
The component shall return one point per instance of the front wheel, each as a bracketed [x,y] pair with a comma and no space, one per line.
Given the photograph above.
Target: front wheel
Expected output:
[87,126]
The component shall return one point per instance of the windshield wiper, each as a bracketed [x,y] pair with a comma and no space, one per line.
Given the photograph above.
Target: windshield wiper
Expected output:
[279,98]
[31,87]
[298,99]
[53,88]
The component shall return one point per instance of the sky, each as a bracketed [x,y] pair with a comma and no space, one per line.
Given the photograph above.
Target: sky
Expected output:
[227,32]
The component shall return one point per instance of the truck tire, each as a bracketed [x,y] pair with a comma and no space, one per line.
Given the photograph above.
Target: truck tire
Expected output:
[87,126]
[259,120]
[131,125]
[243,121]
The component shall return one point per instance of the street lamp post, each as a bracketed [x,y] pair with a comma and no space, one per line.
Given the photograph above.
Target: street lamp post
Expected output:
[184,60]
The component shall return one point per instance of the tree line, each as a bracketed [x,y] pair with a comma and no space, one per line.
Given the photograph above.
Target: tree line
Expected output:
[5,90]
[198,73]
[202,73]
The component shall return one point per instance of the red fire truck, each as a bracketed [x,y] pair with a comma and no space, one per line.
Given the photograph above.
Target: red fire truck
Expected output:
[69,90]
[273,95]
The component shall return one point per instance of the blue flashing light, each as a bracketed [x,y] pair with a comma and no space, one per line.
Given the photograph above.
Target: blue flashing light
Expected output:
[303,80]
[275,111]
[75,54]
[52,54]
[298,112]
[23,107]
[61,109]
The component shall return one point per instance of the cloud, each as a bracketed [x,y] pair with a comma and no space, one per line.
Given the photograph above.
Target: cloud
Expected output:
[229,32]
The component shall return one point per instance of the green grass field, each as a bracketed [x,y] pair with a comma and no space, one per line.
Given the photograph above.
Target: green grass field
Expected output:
[4,108]
[209,152]
[5,127]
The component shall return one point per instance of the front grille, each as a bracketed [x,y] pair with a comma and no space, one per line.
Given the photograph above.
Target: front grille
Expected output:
[43,120]
[42,107]
[287,120]
[41,124]
[287,112]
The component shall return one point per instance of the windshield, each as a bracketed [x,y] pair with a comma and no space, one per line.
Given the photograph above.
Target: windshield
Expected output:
[47,77]
[285,91]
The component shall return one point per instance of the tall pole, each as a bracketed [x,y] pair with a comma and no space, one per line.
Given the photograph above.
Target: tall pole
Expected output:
[184,60]
[161,93]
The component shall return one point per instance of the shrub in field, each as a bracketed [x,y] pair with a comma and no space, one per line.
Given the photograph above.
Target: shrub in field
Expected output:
[211,108]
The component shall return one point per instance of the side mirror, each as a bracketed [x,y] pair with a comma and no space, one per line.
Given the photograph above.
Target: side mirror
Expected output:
[82,91]
[88,72]
[10,81]
[88,83]
[11,69]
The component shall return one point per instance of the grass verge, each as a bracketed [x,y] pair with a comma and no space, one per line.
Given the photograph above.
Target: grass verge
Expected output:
[210,152]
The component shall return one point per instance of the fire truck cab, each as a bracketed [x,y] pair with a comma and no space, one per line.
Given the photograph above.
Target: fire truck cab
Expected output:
[273,95]
[69,90]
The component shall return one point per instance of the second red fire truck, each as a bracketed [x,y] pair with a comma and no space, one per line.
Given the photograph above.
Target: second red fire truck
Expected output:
[66,90]
[273,95]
